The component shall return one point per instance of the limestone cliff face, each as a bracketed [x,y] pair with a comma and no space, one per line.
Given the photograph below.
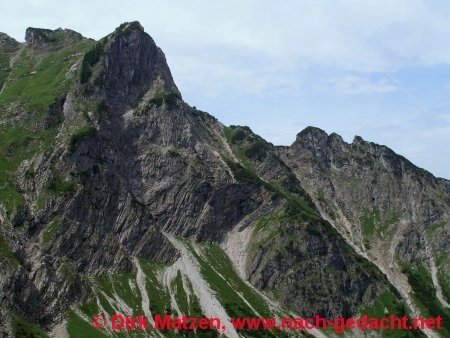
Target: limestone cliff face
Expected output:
[123,165]
[129,65]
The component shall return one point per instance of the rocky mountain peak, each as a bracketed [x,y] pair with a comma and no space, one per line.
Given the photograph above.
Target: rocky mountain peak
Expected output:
[8,42]
[128,27]
[41,37]
[311,130]
[311,137]
[336,138]
[125,65]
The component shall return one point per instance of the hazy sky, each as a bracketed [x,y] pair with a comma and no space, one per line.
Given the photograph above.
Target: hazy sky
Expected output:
[378,69]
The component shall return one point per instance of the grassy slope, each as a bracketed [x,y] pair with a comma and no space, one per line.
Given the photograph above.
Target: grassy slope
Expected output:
[387,304]
[4,64]
[125,287]
[24,329]
[224,281]
[425,294]
[5,252]
[34,93]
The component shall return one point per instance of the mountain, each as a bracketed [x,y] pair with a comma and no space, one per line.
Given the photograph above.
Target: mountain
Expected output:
[117,196]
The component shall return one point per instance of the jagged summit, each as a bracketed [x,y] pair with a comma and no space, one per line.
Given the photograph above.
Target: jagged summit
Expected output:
[125,64]
[317,144]
[312,132]
[41,37]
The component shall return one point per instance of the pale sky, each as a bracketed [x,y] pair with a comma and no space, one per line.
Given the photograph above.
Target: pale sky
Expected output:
[378,69]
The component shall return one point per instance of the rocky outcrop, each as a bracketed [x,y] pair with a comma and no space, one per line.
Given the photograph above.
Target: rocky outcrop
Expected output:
[50,39]
[8,42]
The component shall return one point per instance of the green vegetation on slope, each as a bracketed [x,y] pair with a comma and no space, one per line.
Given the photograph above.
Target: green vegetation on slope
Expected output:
[68,272]
[24,329]
[369,220]
[160,300]
[78,328]
[248,147]
[37,79]
[376,223]
[245,144]
[4,67]
[50,231]
[257,149]
[242,173]
[385,305]
[18,143]
[122,288]
[170,99]
[6,252]
[444,282]
[79,135]
[36,82]
[320,195]
[11,198]
[230,289]
[119,285]
[385,301]
[91,57]
[109,291]
[425,294]
[215,257]
[236,134]
[60,186]
[298,204]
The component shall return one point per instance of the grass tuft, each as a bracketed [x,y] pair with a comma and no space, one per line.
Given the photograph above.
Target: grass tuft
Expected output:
[80,135]
[60,186]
